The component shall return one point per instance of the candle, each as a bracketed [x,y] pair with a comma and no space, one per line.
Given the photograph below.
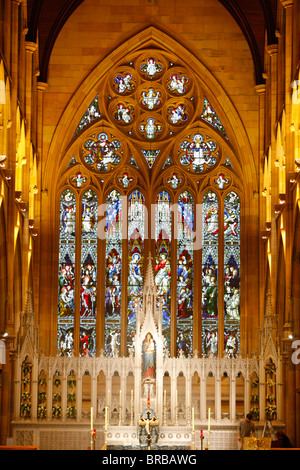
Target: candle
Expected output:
[193,419]
[165,398]
[176,399]
[188,398]
[208,420]
[91,418]
[105,426]
[131,398]
[120,398]
[108,398]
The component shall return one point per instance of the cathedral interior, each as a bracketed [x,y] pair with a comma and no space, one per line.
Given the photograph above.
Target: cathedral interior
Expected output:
[149,137]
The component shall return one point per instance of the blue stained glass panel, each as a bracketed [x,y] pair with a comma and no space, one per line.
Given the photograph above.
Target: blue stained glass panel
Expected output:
[210,244]
[163,237]
[88,285]
[113,278]
[232,274]
[136,237]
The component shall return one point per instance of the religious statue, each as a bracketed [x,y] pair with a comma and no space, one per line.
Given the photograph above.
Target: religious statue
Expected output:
[148,428]
[149,357]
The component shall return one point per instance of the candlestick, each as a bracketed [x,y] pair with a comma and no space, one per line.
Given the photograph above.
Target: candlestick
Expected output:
[176,408]
[193,419]
[105,424]
[208,438]
[201,438]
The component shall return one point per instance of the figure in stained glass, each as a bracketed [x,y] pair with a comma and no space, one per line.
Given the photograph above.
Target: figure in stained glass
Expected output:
[198,153]
[125,180]
[178,83]
[150,128]
[151,98]
[221,181]
[178,114]
[210,116]
[90,115]
[113,277]
[210,243]
[78,179]
[88,279]
[124,83]
[231,343]
[151,68]
[102,152]
[124,113]
[232,272]
[149,357]
[66,272]
[163,231]
[211,343]
[174,181]
[136,235]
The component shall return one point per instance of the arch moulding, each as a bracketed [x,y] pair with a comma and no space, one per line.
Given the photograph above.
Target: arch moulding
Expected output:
[149,38]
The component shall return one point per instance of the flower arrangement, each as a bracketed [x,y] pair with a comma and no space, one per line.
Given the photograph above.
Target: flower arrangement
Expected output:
[42,411]
[71,412]
[71,397]
[72,382]
[25,409]
[57,382]
[255,412]
[57,396]
[271,411]
[56,411]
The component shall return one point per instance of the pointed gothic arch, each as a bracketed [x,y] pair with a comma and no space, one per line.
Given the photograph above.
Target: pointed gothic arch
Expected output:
[102,149]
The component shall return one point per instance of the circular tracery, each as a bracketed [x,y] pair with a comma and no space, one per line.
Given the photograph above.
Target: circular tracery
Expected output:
[157,105]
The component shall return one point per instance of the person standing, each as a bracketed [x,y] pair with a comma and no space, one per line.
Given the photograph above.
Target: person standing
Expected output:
[246,429]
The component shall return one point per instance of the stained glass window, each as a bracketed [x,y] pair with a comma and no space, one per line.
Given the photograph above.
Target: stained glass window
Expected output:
[198,153]
[150,97]
[90,115]
[163,238]
[232,274]
[88,282]
[66,275]
[210,115]
[101,152]
[185,273]
[210,239]
[150,156]
[136,237]
[113,278]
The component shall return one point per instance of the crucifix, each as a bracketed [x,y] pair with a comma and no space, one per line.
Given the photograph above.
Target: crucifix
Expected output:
[146,422]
